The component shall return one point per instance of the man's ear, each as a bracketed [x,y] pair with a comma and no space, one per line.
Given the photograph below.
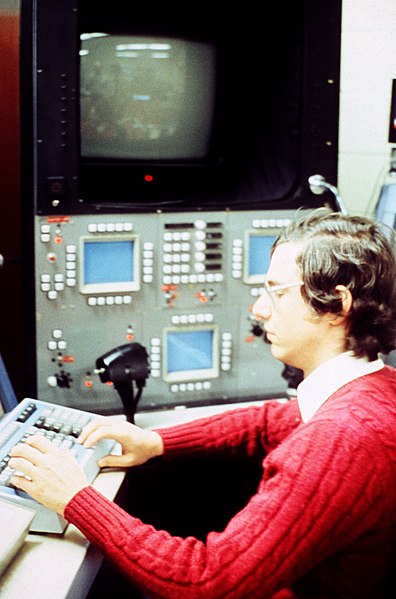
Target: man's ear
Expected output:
[346,298]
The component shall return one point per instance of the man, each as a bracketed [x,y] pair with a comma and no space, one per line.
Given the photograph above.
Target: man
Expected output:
[322,524]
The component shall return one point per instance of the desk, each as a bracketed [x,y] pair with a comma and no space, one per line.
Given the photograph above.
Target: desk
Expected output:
[58,566]
[64,566]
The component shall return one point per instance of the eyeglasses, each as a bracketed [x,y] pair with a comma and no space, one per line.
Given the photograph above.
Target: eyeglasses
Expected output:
[274,291]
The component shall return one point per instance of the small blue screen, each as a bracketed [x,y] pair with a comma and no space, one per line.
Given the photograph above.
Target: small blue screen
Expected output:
[259,254]
[108,262]
[190,350]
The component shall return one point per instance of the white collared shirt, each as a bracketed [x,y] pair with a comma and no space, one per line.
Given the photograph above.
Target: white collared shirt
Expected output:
[313,391]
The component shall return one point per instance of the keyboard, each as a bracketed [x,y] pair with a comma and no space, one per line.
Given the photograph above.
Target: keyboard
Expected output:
[61,425]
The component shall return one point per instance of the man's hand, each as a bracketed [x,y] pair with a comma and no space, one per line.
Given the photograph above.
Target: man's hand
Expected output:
[50,475]
[137,445]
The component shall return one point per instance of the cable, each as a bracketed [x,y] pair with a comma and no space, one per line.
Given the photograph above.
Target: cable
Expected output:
[318,184]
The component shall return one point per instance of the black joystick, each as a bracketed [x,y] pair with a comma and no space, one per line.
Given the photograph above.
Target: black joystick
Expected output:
[121,366]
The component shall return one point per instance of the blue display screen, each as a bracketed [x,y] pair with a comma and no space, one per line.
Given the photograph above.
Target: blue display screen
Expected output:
[189,350]
[108,262]
[259,254]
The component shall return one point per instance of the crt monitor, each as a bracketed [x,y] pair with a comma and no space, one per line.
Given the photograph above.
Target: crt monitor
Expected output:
[109,264]
[146,97]
[190,353]
[147,115]
[257,254]
[131,109]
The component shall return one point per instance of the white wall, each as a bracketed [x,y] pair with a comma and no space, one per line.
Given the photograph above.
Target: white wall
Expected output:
[368,65]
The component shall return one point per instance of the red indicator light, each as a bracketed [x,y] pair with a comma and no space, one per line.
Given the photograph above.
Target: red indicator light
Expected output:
[88,384]
[148,178]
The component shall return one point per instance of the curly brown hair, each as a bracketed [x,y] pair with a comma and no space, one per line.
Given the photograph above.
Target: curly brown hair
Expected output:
[358,253]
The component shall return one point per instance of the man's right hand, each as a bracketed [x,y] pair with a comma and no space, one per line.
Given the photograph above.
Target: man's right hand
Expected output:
[137,445]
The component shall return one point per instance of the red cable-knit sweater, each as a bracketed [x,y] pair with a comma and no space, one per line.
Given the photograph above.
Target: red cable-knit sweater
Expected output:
[322,524]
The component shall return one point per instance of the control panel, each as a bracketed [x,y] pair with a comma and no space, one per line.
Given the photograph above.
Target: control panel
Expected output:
[181,285]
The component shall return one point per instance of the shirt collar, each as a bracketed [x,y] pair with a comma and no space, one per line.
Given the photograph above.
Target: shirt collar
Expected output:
[313,391]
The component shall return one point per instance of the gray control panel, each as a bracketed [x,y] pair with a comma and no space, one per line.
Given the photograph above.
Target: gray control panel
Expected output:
[181,285]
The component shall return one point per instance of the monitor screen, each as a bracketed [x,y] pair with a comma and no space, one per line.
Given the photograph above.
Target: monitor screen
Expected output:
[146,97]
[109,265]
[191,353]
[257,255]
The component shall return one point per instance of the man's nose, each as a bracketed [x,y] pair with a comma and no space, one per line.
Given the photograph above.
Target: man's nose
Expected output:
[262,307]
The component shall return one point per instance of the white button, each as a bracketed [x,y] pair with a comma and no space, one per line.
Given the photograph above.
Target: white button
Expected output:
[51,381]
[62,344]
[57,333]
[200,224]
[52,345]
[52,295]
